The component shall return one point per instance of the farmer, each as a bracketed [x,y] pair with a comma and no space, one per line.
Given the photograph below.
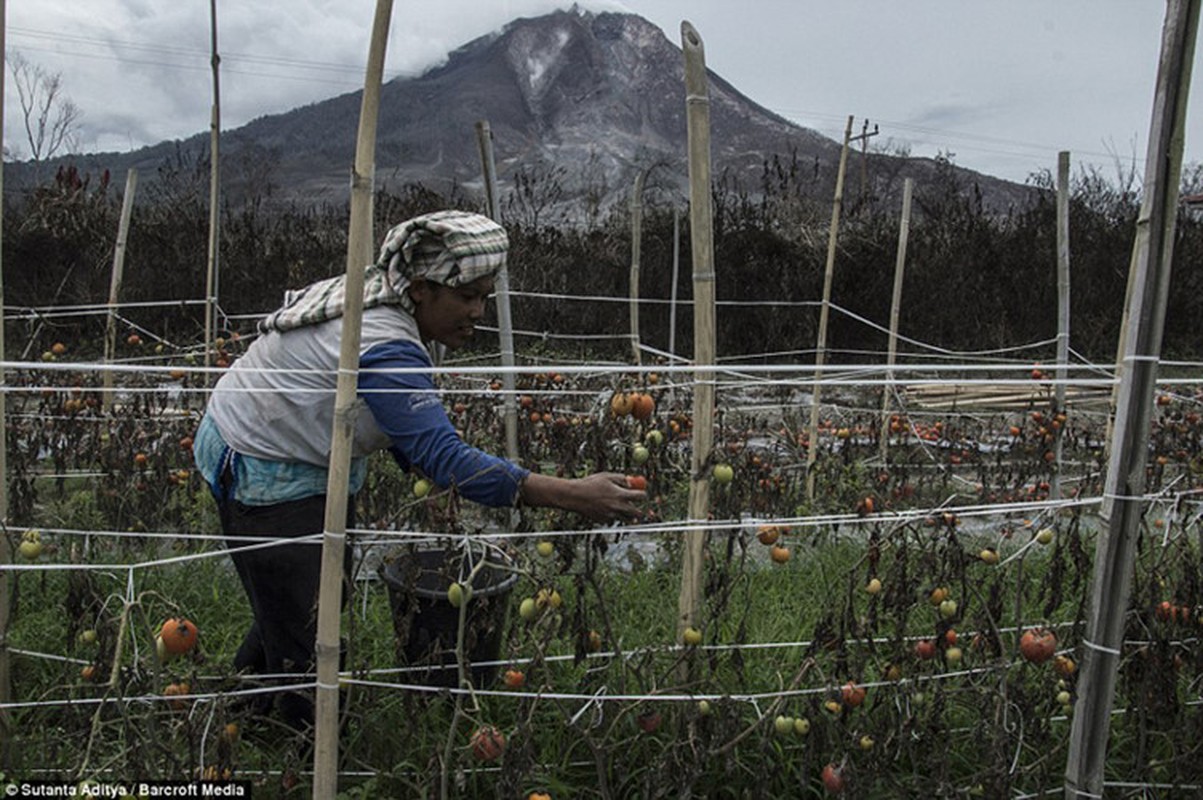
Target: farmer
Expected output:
[264,441]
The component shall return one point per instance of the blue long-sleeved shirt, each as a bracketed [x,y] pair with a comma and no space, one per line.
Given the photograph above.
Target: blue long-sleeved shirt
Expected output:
[270,417]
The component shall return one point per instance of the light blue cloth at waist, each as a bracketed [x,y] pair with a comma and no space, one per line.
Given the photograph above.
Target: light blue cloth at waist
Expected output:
[260,481]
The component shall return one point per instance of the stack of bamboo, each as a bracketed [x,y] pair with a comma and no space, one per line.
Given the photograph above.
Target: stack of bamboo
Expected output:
[949,396]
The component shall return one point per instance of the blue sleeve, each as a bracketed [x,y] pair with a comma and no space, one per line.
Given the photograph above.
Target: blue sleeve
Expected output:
[407,407]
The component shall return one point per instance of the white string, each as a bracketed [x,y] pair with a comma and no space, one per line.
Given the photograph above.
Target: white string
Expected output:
[1111,651]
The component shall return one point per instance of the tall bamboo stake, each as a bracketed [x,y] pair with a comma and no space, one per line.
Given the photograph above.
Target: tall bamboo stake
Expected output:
[110,333]
[1111,582]
[636,242]
[1062,312]
[6,555]
[904,228]
[672,303]
[812,446]
[505,321]
[214,192]
[697,106]
[359,246]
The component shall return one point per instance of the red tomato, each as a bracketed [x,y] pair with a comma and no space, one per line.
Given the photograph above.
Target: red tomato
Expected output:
[833,779]
[925,649]
[853,695]
[488,743]
[1037,645]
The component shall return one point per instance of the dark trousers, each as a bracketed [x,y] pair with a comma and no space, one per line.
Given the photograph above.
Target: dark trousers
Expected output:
[281,583]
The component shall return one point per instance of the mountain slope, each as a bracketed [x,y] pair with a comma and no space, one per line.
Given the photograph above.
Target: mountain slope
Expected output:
[589,99]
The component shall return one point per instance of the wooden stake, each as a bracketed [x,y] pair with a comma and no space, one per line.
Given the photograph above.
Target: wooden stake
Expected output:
[211,275]
[697,106]
[812,447]
[636,243]
[1054,491]
[1111,583]
[904,228]
[110,333]
[672,305]
[501,286]
[6,554]
[360,239]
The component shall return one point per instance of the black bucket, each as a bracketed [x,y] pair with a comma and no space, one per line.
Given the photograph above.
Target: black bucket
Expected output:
[426,623]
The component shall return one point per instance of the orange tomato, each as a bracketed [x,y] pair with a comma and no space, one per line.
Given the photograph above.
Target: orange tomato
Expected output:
[621,404]
[768,534]
[642,406]
[178,635]
[178,690]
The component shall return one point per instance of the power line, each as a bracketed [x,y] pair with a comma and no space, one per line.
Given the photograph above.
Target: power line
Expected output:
[1017,148]
[112,52]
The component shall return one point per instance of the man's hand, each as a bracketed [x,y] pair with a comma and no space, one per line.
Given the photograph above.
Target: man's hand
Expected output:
[602,497]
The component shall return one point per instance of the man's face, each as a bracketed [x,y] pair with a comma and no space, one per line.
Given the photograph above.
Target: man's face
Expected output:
[449,315]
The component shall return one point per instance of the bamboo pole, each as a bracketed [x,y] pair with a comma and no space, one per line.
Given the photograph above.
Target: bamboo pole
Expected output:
[1062,313]
[110,333]
[6,554]
[672,305]
[812,446]
[904,228]
[1111,583]
[214,190]
[325,754]
[697,105]
[636,242]
[505,321]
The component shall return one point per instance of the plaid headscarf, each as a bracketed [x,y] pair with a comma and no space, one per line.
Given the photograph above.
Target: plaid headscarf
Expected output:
[451,248]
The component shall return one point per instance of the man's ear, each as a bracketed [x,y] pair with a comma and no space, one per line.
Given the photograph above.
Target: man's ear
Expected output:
[419,290]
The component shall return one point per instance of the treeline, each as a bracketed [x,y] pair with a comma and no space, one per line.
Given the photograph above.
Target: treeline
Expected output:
[974,280]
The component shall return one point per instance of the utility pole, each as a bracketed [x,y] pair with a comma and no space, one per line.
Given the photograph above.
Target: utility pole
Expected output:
[863,138]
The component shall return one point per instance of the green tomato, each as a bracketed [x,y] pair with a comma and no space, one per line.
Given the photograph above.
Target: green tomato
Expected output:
[723,473]
[30,549]
[545,548]
[640,454]
[528,609]
[783,725]
[422,488]
[458,594]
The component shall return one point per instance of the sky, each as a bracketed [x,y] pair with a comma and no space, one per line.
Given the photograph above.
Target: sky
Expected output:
[999,87]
